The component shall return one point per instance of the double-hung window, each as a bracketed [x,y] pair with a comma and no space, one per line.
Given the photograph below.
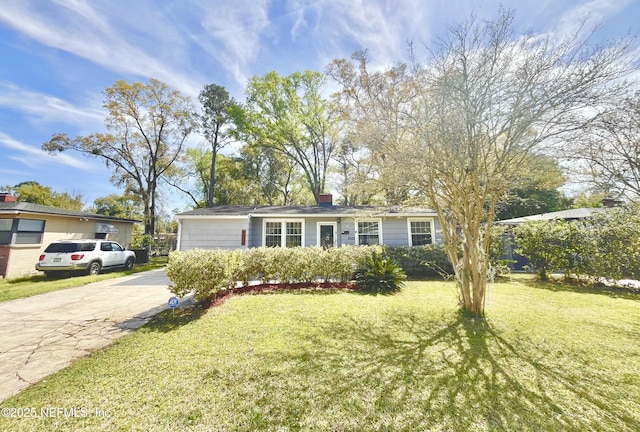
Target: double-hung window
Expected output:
[369,232]
[273,234]
[283,233]
[420,231]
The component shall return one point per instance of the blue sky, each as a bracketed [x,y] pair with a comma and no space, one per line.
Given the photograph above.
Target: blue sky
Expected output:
[59,55]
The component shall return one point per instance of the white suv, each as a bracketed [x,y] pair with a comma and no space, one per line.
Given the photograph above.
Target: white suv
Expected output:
[89,256]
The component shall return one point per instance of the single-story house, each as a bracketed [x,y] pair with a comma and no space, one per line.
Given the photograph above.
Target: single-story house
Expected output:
[326,225]
[26,229]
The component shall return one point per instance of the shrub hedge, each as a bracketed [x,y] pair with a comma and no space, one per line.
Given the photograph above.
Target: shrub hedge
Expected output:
[205,272]
[603,245]
[420,261]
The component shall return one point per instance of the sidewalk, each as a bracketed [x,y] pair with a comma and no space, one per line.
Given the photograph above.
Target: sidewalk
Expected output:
[42,334]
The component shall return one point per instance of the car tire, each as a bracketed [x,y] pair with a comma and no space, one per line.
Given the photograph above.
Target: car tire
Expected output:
[128,265]
[94,268]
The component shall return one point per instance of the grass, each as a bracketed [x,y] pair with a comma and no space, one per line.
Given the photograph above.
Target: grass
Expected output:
[11,289]
[547,358]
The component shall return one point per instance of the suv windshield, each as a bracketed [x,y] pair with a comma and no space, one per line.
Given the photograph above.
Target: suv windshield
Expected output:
[70,247]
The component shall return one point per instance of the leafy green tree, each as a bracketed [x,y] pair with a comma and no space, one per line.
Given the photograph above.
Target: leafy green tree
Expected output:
[148,124]
[534,190]
[122,206]
[554,245]
[214,122]
[588,200]
[289,116]
[34,192]
[276,176]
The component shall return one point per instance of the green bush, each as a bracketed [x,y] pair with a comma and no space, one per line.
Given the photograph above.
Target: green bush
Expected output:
[604,245]
[377,274]
[206,272]
[420,261]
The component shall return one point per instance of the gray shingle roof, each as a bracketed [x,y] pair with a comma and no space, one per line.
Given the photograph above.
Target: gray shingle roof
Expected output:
[30,208]
[265,210]
[579,213]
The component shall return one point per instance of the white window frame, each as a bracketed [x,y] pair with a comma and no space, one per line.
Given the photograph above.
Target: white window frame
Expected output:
[283,235]
[335,232]
[421,219]
[378,220]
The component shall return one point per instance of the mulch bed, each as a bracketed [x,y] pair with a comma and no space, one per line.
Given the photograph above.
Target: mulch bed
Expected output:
[222,296]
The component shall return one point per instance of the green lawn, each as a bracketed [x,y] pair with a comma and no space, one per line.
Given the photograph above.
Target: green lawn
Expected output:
[11,289]
[548,358]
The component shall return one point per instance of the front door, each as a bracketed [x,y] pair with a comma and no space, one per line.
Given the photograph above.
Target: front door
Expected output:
[327,235]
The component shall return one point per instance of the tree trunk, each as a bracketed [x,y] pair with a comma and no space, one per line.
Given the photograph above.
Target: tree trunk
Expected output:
[212,179]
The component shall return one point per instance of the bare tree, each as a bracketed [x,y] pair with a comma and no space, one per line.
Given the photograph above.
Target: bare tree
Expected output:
[460,128]
[372,105]
[487,101]
[610,149]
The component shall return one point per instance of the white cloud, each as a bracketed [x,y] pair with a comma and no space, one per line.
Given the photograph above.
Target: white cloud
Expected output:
[233,33]
[588,15]
[81,30]
[36,158]
[47,108]
[383,27]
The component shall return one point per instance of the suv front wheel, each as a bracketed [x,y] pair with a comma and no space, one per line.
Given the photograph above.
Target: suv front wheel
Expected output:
[94,268]
[128,265]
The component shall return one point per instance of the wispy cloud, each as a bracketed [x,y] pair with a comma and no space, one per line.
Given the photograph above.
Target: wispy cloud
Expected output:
[36,158]
[233,33]
[42,107]
[79,28]
[585,17]
[383,27]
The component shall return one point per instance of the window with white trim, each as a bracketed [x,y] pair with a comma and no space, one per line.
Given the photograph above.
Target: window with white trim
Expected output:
[283,233]
[420,231]
[369,232]
[273,234]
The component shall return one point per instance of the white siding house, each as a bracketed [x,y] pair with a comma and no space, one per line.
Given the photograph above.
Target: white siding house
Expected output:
[233,227]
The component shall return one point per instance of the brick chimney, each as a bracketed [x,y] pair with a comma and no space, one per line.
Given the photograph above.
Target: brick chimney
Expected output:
[325,200]
[5,197]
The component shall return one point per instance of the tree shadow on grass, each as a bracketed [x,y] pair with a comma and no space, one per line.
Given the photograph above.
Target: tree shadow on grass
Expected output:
[575,287]
[169,320]
[409,372]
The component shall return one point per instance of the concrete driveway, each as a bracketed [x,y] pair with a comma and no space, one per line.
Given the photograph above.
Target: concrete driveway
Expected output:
[42,334]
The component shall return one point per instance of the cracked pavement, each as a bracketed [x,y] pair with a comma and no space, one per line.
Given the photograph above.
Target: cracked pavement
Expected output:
[42,334]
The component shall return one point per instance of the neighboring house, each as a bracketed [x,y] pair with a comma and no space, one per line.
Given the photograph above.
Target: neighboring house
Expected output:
[26,229]
[518,261]
[235,227]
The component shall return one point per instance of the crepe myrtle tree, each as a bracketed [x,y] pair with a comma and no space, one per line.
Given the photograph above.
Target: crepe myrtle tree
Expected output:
[147,125]
[485,102]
